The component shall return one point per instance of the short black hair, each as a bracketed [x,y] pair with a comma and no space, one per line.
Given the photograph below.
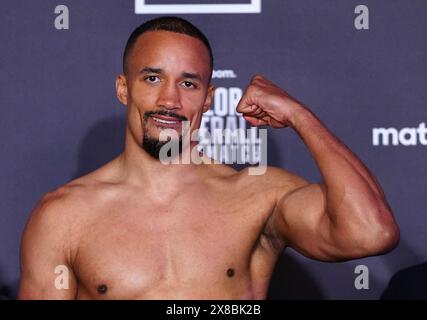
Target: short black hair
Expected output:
[167,23]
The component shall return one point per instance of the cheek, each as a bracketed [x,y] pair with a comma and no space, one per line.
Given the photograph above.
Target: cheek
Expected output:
[193,103]
[137,106]
[142,98]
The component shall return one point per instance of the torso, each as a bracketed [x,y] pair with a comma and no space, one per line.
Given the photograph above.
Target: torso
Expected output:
[203,244]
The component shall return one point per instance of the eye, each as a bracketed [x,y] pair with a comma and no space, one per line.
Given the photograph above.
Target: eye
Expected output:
[152,79]
[189,84]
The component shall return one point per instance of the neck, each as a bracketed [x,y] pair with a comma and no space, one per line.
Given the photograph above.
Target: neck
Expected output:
[139,168]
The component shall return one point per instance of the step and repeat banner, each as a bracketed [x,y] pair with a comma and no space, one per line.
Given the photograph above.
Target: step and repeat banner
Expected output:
[361,67]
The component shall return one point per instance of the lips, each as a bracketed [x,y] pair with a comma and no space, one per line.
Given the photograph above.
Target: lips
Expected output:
[164,121]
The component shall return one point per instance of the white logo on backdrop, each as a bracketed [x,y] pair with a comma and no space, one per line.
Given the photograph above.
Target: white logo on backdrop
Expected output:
[405,136]
[253,6]
[223,135]
[223,74]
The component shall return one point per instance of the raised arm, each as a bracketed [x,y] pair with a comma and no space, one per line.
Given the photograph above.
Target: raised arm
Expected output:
[344,217]
[45,254]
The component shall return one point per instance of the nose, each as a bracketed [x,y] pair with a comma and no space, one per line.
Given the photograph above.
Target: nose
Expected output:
[169,97]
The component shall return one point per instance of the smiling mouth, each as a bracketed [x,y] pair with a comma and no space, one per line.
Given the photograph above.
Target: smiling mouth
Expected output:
[164,121]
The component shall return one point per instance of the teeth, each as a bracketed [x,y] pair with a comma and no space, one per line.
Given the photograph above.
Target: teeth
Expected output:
[165,121]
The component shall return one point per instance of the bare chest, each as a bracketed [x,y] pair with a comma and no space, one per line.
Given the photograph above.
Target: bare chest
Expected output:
[186,249]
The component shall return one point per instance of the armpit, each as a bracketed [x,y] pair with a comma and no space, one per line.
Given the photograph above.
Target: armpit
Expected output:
[268,240]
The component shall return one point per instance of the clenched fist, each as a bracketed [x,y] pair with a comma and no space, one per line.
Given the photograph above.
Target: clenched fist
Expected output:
[264,103]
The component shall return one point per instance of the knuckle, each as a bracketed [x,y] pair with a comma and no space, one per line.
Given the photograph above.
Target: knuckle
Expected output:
[257,77]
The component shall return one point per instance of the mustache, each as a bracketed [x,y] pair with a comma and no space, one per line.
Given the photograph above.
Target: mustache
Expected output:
[164,113]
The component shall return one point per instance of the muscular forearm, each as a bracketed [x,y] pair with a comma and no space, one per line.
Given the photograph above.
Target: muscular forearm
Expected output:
[351,190]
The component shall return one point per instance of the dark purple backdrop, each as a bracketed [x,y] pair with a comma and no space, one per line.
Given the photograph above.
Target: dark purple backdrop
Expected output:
[60,119]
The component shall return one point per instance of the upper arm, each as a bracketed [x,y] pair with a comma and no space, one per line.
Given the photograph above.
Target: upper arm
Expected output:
[299,218]
[44,247]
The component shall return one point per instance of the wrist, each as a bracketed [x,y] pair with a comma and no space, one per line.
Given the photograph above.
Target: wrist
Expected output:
[299,116]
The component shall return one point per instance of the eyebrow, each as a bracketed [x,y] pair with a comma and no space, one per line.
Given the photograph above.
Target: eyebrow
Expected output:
[151,70]
[188,75]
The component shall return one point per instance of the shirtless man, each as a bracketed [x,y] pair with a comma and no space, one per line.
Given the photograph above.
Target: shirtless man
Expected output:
[140,229]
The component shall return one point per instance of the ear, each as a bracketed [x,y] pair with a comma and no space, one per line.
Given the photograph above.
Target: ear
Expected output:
[209,98]
[122,89]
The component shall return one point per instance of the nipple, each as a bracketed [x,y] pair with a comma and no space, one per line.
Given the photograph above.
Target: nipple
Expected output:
[230,272]
[102,289]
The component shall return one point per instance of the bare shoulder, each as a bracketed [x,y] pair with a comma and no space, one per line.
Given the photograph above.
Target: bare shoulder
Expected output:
[48,232]
[50,239]
[71,199]
[60,214]
[55,213]
[274,179]
[64,200]
[52,208]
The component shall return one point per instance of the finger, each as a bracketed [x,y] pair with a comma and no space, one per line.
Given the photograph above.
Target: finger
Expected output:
[255,121]
[273,122]
[243,103]
[247,101]
[263,114]
[247,108]
[258,112]
[257,77]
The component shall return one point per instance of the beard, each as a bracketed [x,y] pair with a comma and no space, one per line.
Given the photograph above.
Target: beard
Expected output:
[152,145]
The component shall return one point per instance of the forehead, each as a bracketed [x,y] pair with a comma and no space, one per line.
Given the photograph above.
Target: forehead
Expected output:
[170,51]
